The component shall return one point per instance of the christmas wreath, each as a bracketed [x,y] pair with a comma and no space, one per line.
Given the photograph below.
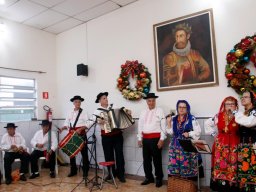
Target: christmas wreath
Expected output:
[239,77]
[138,72]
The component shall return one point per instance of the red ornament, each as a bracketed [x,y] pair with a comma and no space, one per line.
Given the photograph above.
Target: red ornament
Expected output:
[139,83]
[120,80]
[229,76]
[123,66]
[231,57]
[143,75]
[246,71]
[253,58]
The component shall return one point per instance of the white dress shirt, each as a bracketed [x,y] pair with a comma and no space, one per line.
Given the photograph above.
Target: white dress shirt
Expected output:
[40,138]
[82,120]
[152,121]
[244,120]
[98,113]
[195,134]
[8,140]
[210,126]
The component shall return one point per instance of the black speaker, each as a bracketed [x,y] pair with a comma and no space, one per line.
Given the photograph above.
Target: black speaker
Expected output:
[82,70]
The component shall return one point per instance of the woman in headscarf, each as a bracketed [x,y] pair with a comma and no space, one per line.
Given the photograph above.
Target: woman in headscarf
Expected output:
[246,148]
[224,151]
[182,126]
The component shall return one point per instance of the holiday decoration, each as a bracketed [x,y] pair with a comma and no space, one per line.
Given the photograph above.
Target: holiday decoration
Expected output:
[138,72]
[238,75]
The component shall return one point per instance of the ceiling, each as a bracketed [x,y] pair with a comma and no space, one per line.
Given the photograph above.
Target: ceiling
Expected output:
[56,16]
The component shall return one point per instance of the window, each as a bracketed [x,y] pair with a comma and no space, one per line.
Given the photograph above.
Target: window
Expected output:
[17,99]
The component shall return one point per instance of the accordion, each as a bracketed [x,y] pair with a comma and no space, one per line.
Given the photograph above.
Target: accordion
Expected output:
[116,119]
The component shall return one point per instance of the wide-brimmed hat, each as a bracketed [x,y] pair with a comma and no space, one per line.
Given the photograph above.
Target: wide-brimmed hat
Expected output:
[9,125]
[100,95]
[150,95]
[77,97]
[45,122]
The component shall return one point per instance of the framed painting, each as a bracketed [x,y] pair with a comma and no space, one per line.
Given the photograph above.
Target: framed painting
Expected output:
[185,52]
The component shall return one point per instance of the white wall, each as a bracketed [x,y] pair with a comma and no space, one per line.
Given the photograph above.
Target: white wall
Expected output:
[23,47]
[127,34]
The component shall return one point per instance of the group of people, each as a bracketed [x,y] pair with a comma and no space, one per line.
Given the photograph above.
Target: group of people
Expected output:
[233,152]
[14,145]
[233,155]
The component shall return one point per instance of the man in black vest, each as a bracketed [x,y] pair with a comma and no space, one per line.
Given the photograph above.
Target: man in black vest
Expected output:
[77,120]
[112,142]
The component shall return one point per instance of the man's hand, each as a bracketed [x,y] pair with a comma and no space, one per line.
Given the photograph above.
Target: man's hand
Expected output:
[160,144]
[14,148]
[79,130]
[21,149]
[63,128]
[101,121]
[39,146]
[140,143]
[50,152]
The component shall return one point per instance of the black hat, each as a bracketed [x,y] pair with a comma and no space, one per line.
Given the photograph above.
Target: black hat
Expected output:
[77,97]
[45,122]
[100,95]
[150,95]
[9,125]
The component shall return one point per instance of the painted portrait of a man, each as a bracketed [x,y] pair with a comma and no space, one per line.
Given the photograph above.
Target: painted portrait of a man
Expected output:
[185,54]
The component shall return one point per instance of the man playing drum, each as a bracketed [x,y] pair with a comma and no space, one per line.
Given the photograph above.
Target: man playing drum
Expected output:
[41,142]
[112,141]
[77,120]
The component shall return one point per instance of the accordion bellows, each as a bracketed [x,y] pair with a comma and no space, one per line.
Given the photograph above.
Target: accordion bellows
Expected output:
[116,119]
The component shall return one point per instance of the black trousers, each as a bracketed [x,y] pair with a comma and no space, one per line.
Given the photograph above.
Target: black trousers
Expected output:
[113,147]
[9,158]
[35,155]
[85,160]
[151,151]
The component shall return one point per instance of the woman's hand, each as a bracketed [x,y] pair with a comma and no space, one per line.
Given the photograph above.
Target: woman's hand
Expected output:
[186,134]
[169,121]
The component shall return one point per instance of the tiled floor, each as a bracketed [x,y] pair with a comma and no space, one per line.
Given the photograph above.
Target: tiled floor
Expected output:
[64,184]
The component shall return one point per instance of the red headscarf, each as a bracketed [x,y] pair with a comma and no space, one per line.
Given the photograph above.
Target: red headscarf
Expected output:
[222,113]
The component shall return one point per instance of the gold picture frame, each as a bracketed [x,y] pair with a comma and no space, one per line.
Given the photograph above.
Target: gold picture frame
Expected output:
[185,52]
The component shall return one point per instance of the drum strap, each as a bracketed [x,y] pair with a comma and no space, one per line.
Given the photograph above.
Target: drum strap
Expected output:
[77,117]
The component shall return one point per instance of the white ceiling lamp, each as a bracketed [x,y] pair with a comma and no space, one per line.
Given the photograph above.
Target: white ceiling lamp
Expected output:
[2,2]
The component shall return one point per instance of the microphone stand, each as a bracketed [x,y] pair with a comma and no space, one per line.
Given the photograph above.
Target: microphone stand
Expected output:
[93,152]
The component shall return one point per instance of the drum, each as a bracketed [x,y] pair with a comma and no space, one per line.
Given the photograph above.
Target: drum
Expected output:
[71,144]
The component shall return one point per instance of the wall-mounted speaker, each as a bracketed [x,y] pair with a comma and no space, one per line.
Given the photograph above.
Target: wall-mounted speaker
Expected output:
[82,70]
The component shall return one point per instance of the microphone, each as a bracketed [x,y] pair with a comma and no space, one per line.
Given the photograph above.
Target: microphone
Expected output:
[170,115]
[97,116]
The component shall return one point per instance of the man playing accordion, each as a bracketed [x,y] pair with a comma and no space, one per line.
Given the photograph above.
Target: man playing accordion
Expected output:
[112,141]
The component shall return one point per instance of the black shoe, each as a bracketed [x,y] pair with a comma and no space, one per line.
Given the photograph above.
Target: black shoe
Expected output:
[23,177]
[71,174]
[52,174]
[147,181]
[159,183]
[108,178]
[34,175]
[8,181]
[122,179]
